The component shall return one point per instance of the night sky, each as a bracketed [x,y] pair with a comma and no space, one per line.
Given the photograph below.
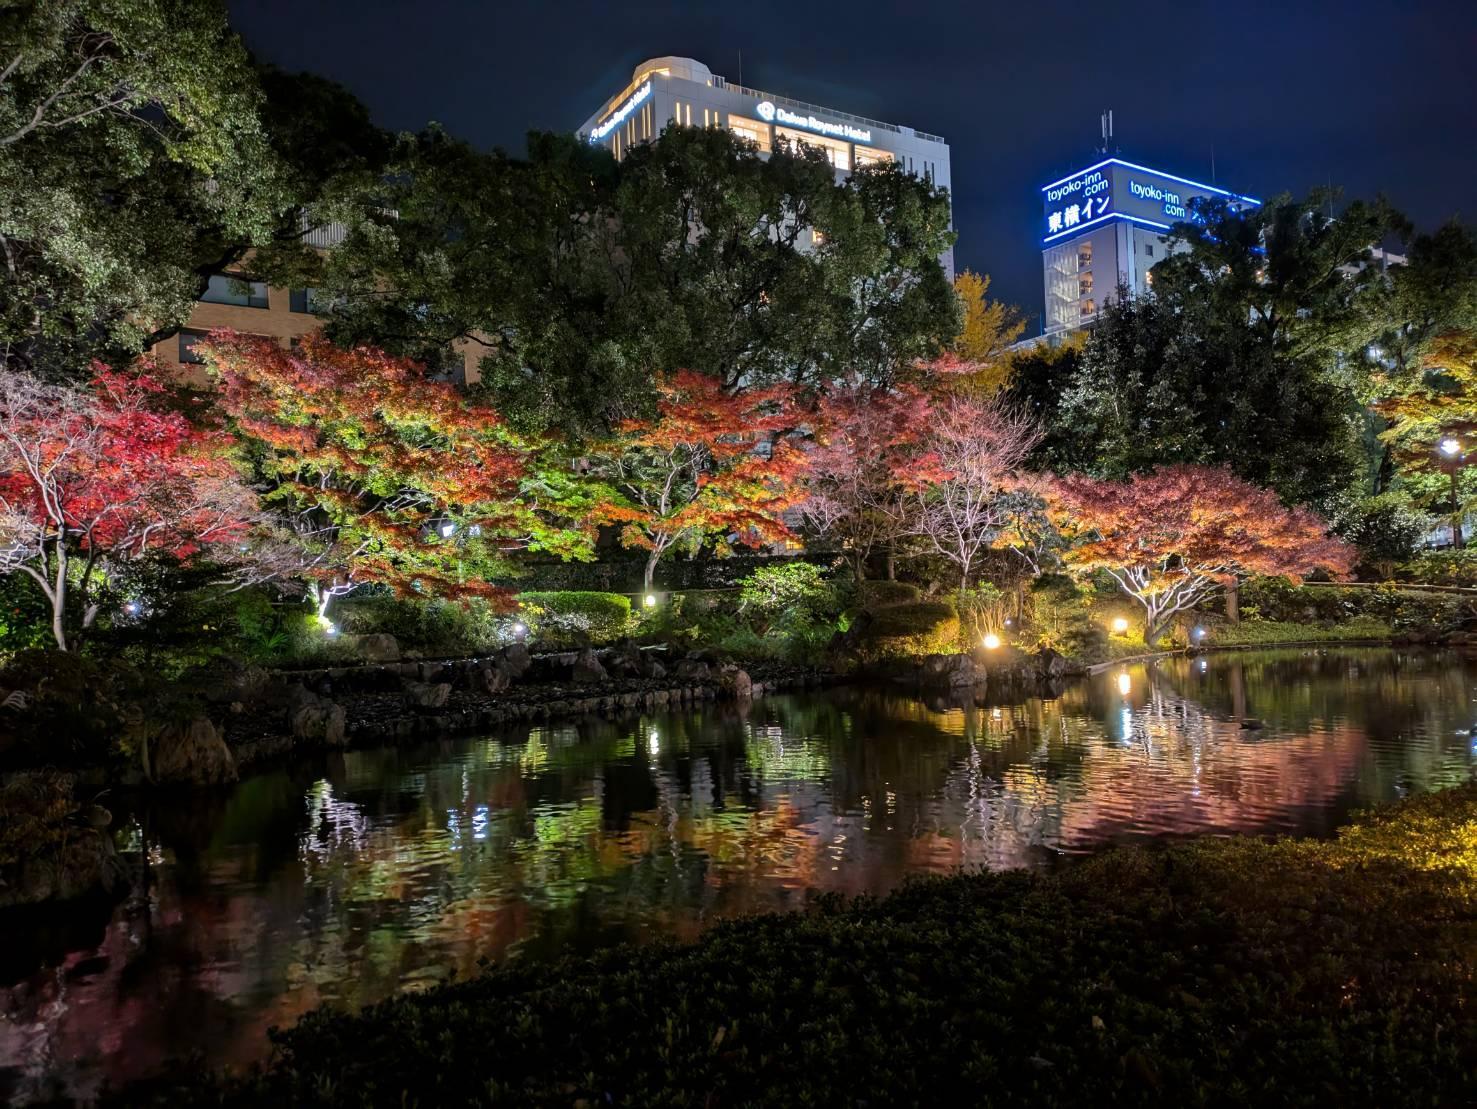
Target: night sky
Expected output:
[1375,97]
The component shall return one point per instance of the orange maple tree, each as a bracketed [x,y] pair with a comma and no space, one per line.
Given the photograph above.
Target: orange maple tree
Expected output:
[711,466]
[93,478]
[374,472]
[1172,537]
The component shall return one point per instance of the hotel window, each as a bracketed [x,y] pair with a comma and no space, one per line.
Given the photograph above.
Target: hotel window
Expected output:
[1084,254]
[308,301]
[1084,284]
[188,355]
[227,288]
[1149,279]
[866,156]
[817,236]
[1149,249]
[751,129]
[1089,307]
[837,153]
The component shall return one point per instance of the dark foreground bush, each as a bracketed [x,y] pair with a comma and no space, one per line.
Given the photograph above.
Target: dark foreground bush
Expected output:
[573,618]
[1235,972]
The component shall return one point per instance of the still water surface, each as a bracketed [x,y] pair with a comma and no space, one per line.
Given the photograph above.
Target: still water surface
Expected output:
[345,880]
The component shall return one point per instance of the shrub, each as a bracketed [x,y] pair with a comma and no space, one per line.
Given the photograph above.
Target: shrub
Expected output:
[796,603]
[880,594]
[1232,971]
[430,626]
[1442,568]
[576,619]
[1387,529]
[909,631]
[1062,619]
[1254,631]
[982,609]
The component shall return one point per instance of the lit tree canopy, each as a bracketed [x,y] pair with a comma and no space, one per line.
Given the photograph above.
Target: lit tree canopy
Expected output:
[94,478]
[709,467]
[376,474]
[1170,538]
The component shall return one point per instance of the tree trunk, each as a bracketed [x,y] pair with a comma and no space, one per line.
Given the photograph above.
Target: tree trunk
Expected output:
[650,574]
[59,599]
[892,560]
[1233,602]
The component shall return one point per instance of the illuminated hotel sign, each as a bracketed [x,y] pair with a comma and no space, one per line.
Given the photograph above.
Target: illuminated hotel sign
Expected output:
[1115,189]
[621,114]
[773,113]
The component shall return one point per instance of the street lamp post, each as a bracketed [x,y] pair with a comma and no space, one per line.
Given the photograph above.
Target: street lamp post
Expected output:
[1452,459]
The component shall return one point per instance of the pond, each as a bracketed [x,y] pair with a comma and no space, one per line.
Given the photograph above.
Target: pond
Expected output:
[346,879]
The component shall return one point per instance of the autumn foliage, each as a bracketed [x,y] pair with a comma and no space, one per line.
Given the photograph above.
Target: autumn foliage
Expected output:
[706,468]
[1172,537]
[374,472]
[93,478]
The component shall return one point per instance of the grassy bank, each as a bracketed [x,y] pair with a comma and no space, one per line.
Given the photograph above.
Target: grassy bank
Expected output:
[1223,972]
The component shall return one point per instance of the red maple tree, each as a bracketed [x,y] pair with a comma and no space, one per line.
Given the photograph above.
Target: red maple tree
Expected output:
[707,468]
[1171,538]
[91,478]
[869,456]
[374,472]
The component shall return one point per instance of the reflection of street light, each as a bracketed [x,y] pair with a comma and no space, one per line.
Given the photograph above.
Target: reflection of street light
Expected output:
[1450,449]
[1124,684]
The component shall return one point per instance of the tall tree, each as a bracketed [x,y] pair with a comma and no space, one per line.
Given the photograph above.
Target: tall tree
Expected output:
[375,474]
[580,280]
[709,467]
[1172,537]
[139,155]
[94,478]
[990,327]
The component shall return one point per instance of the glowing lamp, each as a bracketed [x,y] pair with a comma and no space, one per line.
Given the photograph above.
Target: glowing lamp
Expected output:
[991,641]
[1120,625]
[650,601]
[1451,447]
[447,530]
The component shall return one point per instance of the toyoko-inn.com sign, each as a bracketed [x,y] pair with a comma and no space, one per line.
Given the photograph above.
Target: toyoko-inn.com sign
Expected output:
[1115,189]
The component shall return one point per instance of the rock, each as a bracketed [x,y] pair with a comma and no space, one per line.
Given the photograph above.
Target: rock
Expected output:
[690,670]
[319,721]
[587,667]
[378,647]
[654,669]
[491,679]
[949,671]
[193,753]
[1048,664]
[624,660]
[737,683]
[1251,724]
[427,695]
[515,659]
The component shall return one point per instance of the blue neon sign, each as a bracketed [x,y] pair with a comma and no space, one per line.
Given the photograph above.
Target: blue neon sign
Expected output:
[1115,189]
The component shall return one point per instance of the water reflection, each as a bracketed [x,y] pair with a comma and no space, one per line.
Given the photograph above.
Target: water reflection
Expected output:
[348,879]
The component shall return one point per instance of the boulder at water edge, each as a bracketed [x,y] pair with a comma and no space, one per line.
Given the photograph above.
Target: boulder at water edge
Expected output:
[192,753]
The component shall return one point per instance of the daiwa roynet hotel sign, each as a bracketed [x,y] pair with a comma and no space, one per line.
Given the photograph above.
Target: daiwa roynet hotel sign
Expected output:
[770,112]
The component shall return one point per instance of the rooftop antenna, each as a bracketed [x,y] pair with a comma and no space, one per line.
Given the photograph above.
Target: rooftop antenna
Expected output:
[741,67]
[1212,163]
[1107,128]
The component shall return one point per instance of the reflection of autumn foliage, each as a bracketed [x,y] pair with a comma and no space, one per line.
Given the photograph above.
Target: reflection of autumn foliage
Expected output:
[93,478]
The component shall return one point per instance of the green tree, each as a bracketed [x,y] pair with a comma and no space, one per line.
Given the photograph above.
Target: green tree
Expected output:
[581,279]
[139,154]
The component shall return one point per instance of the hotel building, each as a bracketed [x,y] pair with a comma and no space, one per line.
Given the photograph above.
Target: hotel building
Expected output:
[681,91]
[1106,226]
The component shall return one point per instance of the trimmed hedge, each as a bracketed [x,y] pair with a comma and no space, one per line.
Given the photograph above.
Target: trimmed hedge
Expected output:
[1225,972]
[909,630]
[576,619]
[1249,632]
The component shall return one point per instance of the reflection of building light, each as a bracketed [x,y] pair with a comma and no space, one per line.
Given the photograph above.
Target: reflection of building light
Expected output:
[1124,684]
[1203,666]
[991,641]
[447,530]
